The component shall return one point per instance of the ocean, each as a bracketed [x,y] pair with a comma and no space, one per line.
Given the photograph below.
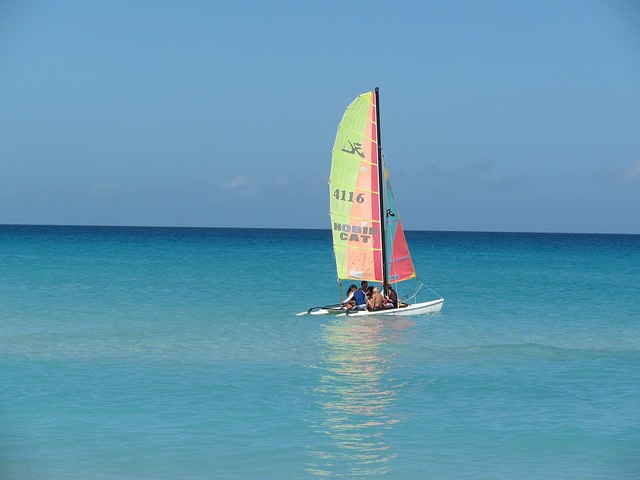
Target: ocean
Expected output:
[172,353]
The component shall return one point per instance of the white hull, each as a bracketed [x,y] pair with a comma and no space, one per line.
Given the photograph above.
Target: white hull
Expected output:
[433,306]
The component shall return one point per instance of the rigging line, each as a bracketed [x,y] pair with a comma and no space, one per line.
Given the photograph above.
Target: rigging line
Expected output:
[432,290]
[415,293]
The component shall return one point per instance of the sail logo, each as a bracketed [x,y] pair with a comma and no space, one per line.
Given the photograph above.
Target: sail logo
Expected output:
[354,148]
[354,233]
[390,213]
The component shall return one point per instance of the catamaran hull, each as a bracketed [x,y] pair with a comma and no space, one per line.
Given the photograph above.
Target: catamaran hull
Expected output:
[433,306]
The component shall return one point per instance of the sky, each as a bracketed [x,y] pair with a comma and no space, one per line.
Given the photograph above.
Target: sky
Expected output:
[519,116]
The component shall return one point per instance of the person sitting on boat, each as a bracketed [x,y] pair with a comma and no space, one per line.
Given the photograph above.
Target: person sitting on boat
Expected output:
[376,302]
[349,302]
[390,297]
[360,296]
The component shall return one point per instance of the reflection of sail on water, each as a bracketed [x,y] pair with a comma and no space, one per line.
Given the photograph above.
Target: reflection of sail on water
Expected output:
[355,394]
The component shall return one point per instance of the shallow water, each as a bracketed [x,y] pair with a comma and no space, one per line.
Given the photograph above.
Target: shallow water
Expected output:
[139,353]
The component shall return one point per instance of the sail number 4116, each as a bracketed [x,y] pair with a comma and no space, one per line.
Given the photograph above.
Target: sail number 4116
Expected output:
[348,196]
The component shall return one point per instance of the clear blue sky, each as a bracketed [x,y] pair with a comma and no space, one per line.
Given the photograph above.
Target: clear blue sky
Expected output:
[496,115]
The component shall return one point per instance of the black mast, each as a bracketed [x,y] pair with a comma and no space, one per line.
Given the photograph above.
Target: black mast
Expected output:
[381,192]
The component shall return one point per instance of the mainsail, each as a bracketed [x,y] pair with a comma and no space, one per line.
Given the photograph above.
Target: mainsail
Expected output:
[360,198]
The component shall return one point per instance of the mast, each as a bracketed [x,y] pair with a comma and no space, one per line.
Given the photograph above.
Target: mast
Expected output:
[381,190]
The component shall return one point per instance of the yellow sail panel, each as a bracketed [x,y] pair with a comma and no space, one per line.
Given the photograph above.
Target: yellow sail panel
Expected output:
[354,193]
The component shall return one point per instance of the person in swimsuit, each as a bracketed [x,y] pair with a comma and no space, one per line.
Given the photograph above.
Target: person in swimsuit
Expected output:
[349,302]
[390,297]
[376,302]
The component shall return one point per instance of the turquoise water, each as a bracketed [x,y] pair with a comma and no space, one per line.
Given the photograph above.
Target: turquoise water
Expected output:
[141,353]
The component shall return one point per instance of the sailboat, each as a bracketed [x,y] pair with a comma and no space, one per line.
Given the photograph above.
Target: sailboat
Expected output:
[368,239]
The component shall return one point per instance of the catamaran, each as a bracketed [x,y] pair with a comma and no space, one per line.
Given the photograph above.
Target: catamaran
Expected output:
[368,239]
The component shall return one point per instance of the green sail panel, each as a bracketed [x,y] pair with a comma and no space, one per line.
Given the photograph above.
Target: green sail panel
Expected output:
[354,193]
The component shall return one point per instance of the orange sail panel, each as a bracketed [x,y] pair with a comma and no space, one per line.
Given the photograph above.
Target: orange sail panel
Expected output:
[355,193]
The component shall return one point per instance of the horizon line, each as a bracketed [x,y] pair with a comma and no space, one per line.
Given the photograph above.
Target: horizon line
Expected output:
[73,225]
